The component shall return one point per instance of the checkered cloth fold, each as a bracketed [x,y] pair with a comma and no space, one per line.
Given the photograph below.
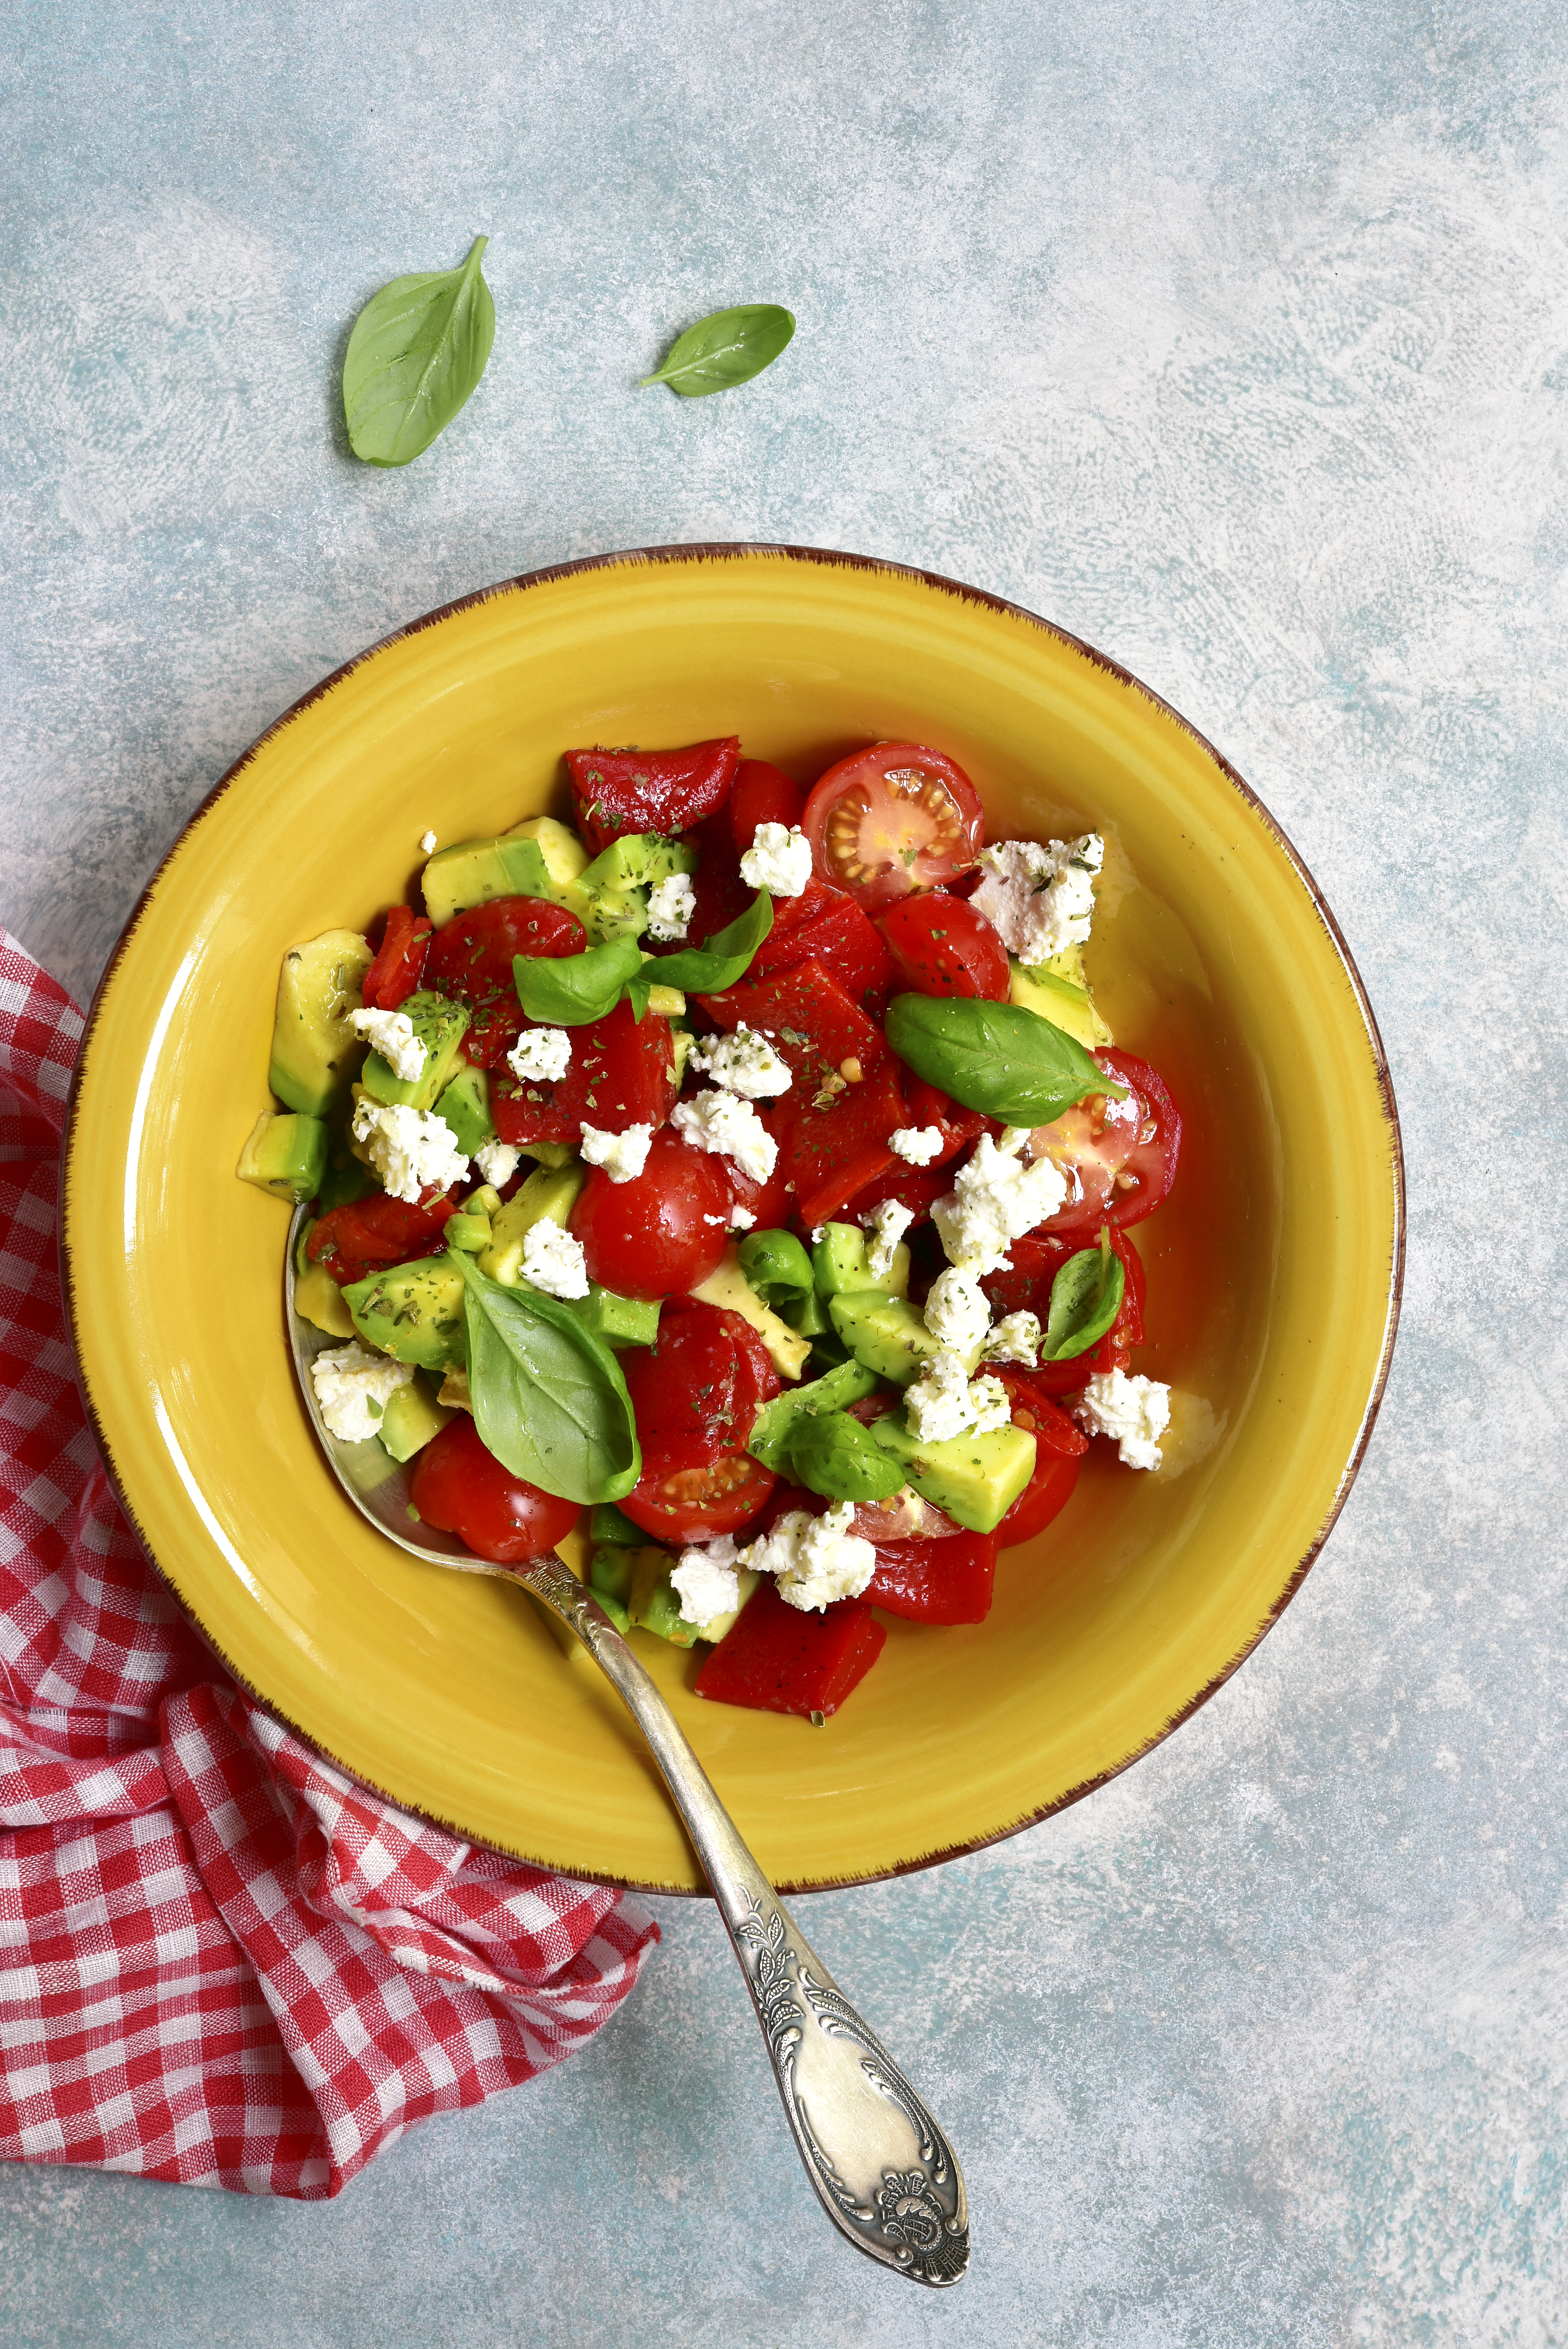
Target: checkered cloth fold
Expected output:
[220,1960]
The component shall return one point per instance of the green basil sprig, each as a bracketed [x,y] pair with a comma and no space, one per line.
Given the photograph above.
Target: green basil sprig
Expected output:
[1086,1298]
[417,351]
[777,1267]
[568,990]
[708,969]
[996,1058]
[832,1454]
[728,348]
[549,1398]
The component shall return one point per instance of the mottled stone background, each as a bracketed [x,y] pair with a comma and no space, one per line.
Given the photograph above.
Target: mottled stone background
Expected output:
[1234,338]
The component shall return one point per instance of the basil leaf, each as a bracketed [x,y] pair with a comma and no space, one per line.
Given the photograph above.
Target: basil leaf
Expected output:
[568,991]
[726,956]
[1086,1298]
[832,1453]
[996,1058]
[728,348]
[418,350]
[549,1399]
[776,1266]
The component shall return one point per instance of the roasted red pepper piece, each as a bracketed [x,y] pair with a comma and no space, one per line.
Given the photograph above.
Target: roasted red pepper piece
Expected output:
[946,1581]
[399,961]
[837,934]
[354,1241]
[619,1076]
[915,1187]
[832,1153]
[1027,1288]
[762,794]
[957,1125]
[666,792]
[779,1659]
[811,1021]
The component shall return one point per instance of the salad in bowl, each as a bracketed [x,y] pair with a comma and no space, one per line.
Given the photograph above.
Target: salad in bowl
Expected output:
[745,1165]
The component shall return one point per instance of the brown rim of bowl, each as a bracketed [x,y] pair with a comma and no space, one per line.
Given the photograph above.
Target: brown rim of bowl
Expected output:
[726,550]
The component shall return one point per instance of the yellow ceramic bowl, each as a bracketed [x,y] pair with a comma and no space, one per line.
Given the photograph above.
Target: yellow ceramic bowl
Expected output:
[1272,1271]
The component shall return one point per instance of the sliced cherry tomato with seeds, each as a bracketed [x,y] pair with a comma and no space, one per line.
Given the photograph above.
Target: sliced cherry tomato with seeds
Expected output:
[1119,1155]
[892,820]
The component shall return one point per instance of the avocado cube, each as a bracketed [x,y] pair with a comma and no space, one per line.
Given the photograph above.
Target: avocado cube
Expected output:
[465,1106]
[619,1320]
[467,1231]
[888,1334]
[610,1571]
[411,1417]
[549,1191]
[729,1287]
[318,1299]
[285,1155]
[975,1478]
[770,1429]
[636,861]
[538,858]
[717,1625]
[609,1524]
[413,1311]
[314,1048]
[654,1605]
[1058,991]
[839,1264]
[440,1027]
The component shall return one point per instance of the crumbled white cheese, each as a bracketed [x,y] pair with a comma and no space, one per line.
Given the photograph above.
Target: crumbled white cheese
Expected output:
[353,1387]
[995,1199]
[391,1033]
[427,843]
[724,1123]
[917,1146]
[946,1402]
[745,1064]
[670,905]
[778,860]
[552,1260]
[412,1150]
[1136,1412]
[1014,1338]
[991,1403]
[1040,894]
[957,1311]
[885,1227]
[741,1219]
[541,1056]
[816,1559]
[622,1156]
[497,1162]
[705,1580]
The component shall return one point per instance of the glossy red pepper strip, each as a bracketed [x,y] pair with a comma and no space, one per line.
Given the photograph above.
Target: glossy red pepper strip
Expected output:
[399,965]
[779,1659]
[947,1581]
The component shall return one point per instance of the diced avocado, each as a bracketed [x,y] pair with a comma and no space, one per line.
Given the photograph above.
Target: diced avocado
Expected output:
[654,1605]
[636,861]
[975,1478]
[440,1027]
[347,1177]
[771,1428]
[615,914]
[485,1200]
[314,1048]
[285,1155]
[609,1524]
[319,1298]
[729,1288]
[549,1191]
[619,1320]
[565,858]
[809,1314]
[717,1626]
[414,1311]
[670,1004]
[411,1417]
[888,1334]
[839,1264]
[467,1231]
[465,1106]
[540,858]
[549,1153]
[615,1612]
[610,1571]
[1056,992]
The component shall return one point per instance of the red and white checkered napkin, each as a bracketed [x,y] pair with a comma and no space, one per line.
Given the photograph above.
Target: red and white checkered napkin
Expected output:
[220,1960]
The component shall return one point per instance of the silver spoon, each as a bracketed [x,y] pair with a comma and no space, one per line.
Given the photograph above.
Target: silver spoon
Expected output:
[882,2170]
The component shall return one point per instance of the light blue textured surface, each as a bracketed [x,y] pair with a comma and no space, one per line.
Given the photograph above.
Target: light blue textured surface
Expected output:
[1234,340]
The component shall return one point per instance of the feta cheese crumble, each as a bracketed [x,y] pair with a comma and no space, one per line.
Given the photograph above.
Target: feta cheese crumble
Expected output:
[723,1124]
[957,1311]
[1136,1412]
[994,1200]
[885,1227]
[741,1219]
[622,1156]
[778,860]
[497,1161]
[1040,894]
[412,1150]
[946,1402]
[541,1056]
[391,1033]
[745,1064]
[552,1260]
[705,1580]
[1016,1338]
[917,1146]
[815,1560]
[428,844]
[353,1387]
[670,905]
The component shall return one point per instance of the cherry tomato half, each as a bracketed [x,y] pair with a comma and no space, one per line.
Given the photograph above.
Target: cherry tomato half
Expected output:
[463,1489]
[940,945]
[1060,1447]
[664,1232]
[470,960]
[892,820]
[1120,1157]
[365,1235]
[702,1382]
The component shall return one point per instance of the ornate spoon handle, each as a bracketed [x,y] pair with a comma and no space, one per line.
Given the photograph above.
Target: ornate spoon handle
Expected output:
[883,2171]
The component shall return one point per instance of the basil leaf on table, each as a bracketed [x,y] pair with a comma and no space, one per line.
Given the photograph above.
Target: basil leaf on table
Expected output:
[708,969]
[831,1454]
[549,1398]
[418,350]
[728,348]
[1086,1298]
[568,990]
[996,1058]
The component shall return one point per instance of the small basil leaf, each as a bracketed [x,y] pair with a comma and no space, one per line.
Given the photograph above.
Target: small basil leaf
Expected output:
[832,1454]
[638,991]
[418,350]
[776,1266]
[568,991]
[996,1058]
[708,969]
[728,348]
[1086,1298]
[549,1398]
